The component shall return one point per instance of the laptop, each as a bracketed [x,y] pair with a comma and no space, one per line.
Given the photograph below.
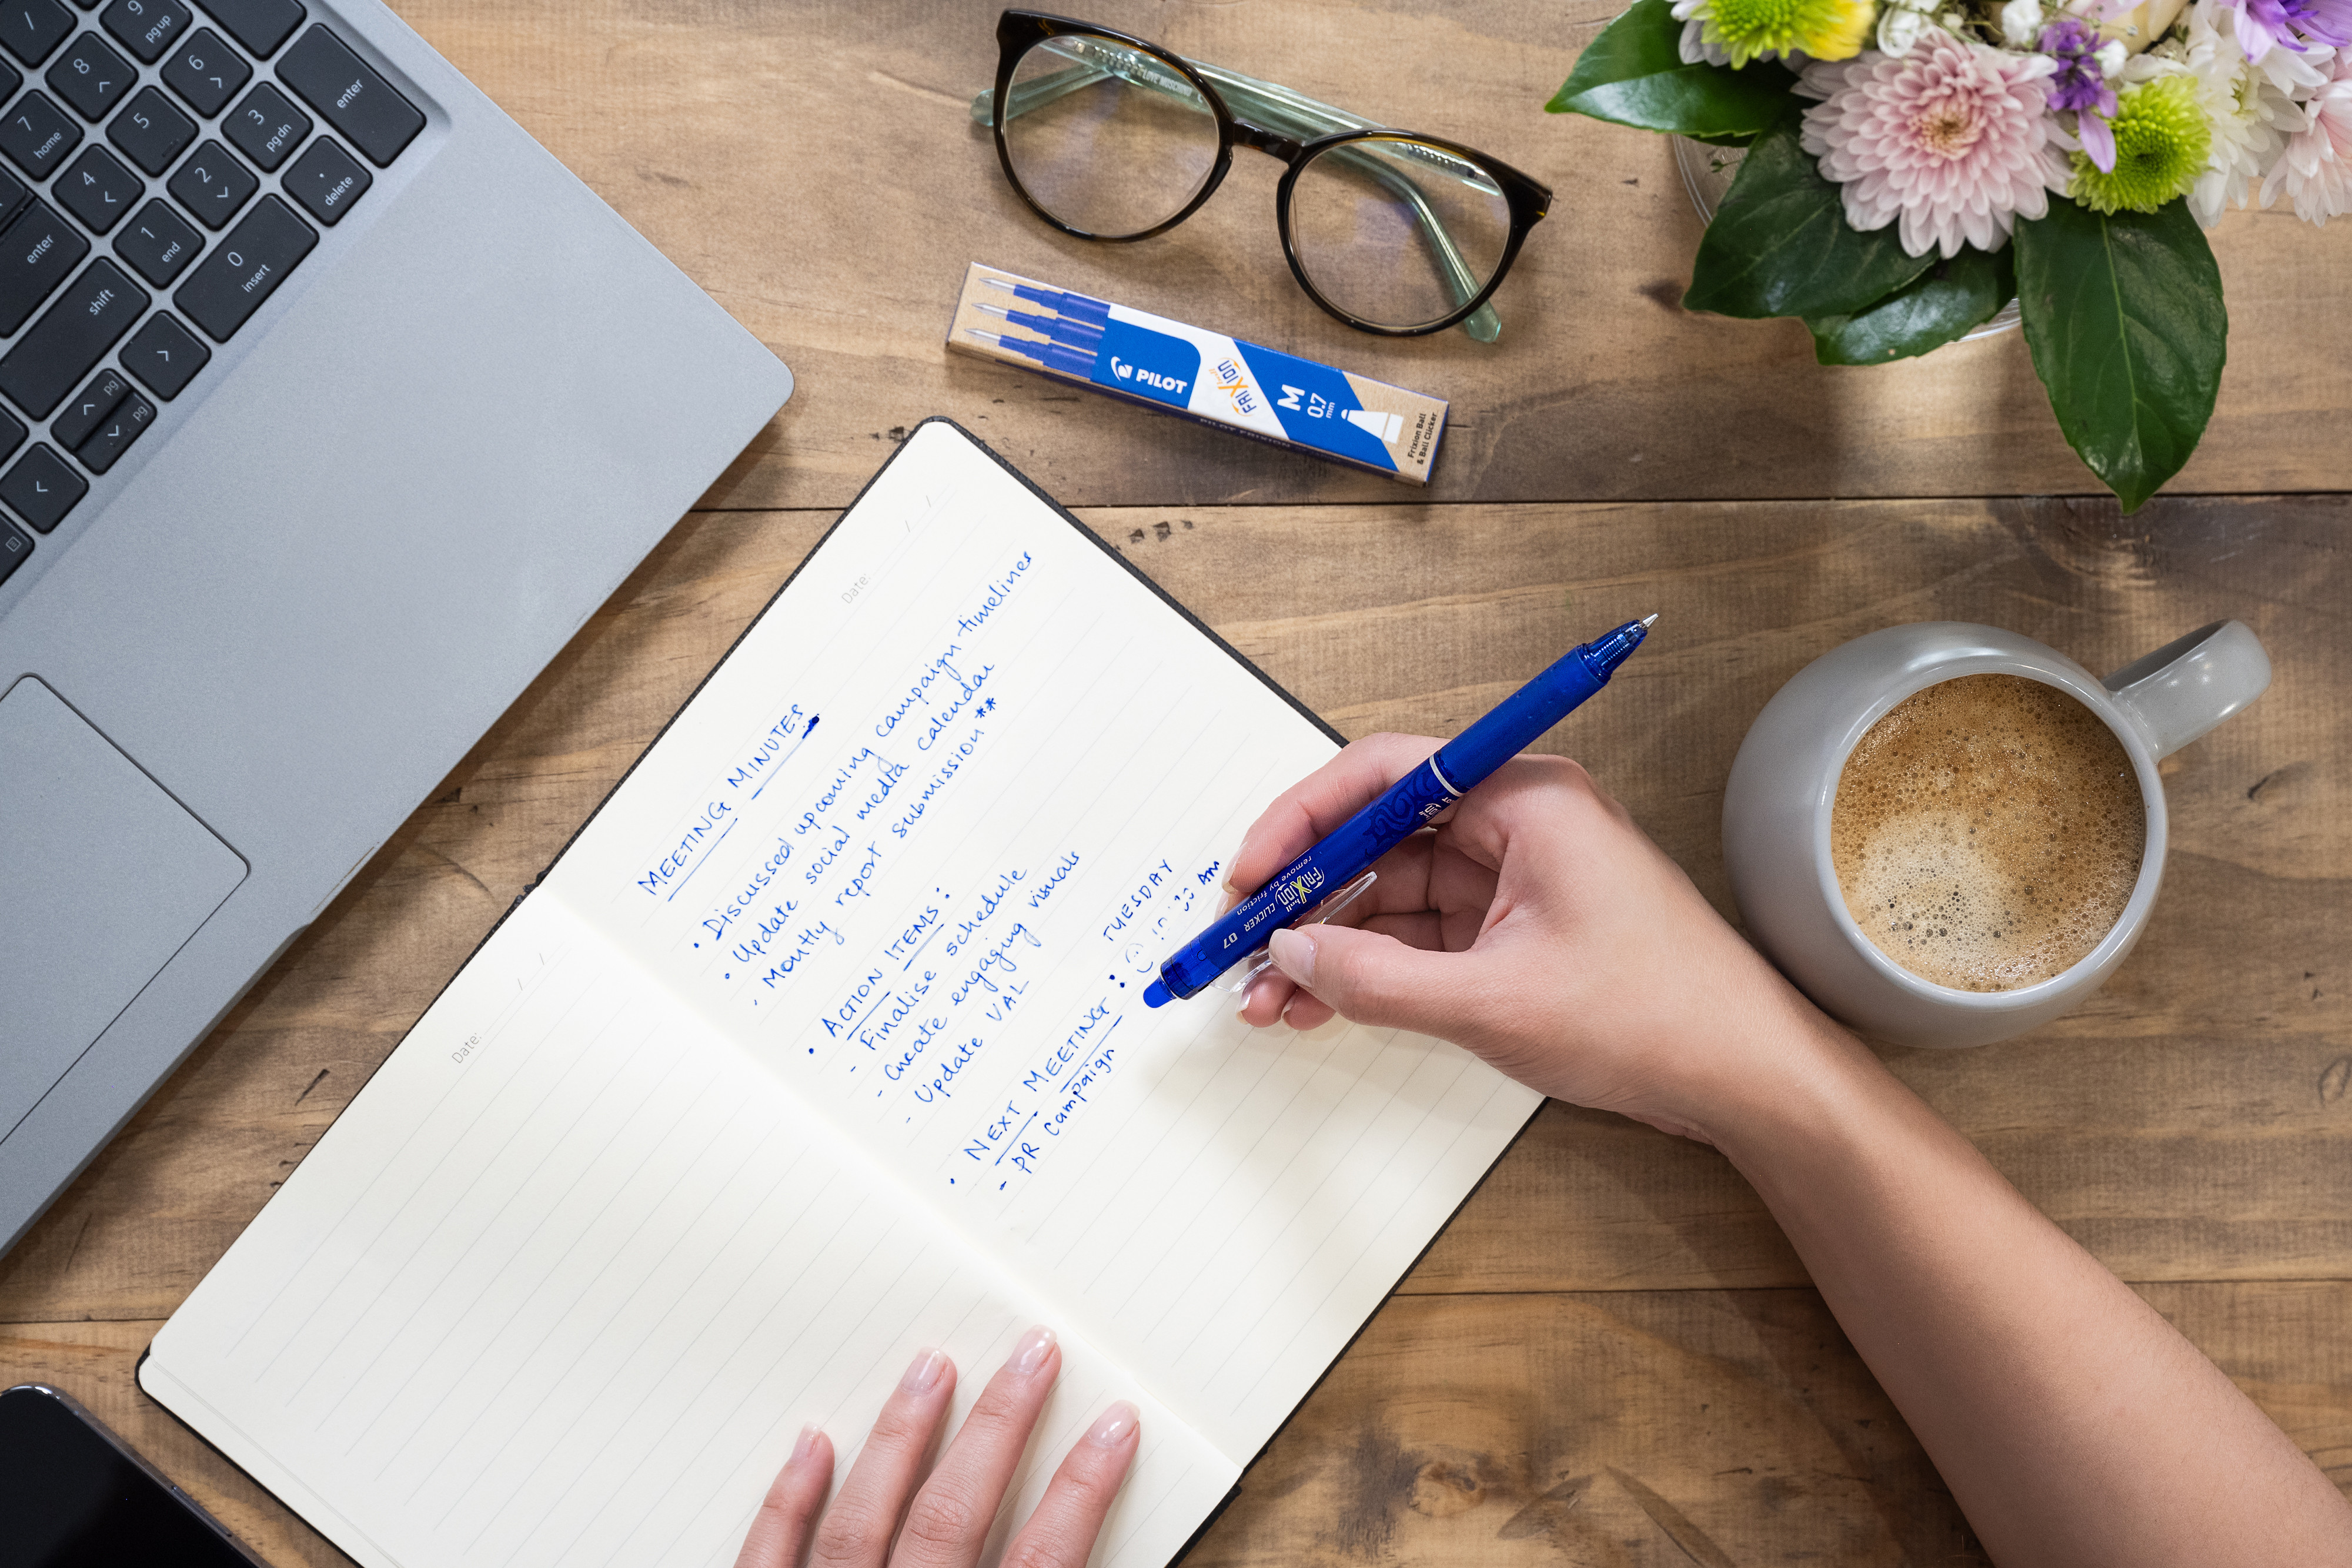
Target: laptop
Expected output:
[331,405]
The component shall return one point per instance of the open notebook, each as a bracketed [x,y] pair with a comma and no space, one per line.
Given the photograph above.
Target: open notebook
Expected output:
[824,1042]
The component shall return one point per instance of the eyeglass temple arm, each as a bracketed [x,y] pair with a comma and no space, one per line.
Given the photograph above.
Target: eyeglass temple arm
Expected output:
[1276,109]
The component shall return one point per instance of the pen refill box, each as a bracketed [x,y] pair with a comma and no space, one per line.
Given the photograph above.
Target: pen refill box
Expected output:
[1202,375]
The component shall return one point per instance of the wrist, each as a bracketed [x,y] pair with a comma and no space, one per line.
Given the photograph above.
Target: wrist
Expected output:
[1803,1082]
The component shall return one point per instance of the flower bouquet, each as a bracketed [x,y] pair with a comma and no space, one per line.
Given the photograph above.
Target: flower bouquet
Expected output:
[1911,166]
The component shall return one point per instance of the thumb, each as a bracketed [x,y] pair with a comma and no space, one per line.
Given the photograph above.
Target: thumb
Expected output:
[1372,979]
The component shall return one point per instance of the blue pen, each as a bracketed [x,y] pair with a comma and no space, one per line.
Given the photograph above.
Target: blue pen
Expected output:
[1070,361]
[1459,767]
[1061,329]
[1076,307]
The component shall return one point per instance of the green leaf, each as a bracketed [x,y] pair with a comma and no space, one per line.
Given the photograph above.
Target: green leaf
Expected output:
[2128,330]
[1949,300]
[1634,74]
[1780,245]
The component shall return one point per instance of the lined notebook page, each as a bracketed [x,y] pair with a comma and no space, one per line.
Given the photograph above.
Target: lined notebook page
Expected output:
[921,844]
[564,1283]
[826,1040]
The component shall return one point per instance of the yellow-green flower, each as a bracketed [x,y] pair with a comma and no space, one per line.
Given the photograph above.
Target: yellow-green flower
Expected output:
[2162,144]
[1825,30]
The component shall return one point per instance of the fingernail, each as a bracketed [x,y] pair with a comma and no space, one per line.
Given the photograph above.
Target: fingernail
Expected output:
[1239,851]
[925,1372]
[1111,1428]
[806,1446]
[1030,1353]
[1293,953]
[1247,992]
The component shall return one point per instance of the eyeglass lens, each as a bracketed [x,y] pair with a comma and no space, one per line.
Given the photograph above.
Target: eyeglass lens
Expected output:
[1110,141]
[1397,232]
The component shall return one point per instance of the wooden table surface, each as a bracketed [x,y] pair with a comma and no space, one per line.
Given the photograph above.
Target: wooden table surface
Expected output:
[1612,1357]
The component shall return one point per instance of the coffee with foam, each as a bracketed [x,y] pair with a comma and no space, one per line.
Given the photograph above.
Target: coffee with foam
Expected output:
[1987,832]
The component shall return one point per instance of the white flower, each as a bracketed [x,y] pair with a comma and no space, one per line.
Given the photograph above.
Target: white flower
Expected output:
[2250,116]
[2110,57]
[2315,169]
[1898,30]
[2297,75]
[2021,22]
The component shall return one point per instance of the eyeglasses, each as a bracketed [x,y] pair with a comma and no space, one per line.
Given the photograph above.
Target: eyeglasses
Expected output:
[1108,137]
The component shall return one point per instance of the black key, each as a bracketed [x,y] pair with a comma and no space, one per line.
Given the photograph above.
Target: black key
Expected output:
[50,359]
[265,127]
[31,28]
[12,435]
[97,190]
[41,488]
[91,77]
[87,407]
[213,185]
[260,25]
[164,356]
[206,71]
[11,79]
[243,270]
[326,180]
[151,131]
[352,97]
[13,197]
[145,28]
[160,243]
[37,136]
[127,425]
[38,252]
[15,550]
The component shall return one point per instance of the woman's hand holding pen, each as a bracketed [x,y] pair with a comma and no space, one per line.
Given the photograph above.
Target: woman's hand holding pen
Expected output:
[890,1512]
[1538,926]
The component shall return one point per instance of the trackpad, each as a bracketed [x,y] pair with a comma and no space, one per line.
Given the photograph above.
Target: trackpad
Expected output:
[106,877]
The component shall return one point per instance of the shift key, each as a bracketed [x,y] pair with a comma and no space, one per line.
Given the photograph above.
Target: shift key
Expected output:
[245,268]
[51,359]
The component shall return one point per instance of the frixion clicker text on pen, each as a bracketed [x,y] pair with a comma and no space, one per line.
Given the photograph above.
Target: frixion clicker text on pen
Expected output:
[1459,766]
[1205,376]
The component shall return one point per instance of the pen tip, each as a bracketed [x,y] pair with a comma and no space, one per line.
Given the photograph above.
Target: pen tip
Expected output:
[1157,995]
[1649,621]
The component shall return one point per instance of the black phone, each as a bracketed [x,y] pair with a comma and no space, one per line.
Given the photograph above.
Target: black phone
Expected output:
[74,1495]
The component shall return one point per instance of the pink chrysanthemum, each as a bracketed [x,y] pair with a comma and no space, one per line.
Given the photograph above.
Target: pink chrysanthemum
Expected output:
[2316,168]
[1950,138]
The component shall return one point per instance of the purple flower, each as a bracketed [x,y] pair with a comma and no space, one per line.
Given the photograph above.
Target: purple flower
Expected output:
[2079,84]
[2297,25]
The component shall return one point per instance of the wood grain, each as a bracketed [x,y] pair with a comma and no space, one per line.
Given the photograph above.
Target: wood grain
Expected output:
[1612,1355]
[1636,1429]
[815,168]
[2184,1124]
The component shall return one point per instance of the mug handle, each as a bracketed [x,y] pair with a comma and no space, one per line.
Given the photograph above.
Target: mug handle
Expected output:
[2191,683]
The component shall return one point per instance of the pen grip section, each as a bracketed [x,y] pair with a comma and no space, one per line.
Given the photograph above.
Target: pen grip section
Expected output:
[1295,890]
[1519,720]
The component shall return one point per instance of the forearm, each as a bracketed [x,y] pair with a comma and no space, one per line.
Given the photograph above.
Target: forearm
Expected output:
[2072,1423]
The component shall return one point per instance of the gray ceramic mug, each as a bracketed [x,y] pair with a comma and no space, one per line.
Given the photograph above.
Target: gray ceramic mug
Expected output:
[1776,809]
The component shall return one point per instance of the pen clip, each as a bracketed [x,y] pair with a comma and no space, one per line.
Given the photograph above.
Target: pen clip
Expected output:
[1259,962]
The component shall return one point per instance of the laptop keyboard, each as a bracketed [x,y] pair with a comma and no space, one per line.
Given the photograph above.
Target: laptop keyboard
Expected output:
[161,176]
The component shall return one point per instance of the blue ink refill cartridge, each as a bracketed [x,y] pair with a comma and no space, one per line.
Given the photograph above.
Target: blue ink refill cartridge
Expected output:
[1200,375]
